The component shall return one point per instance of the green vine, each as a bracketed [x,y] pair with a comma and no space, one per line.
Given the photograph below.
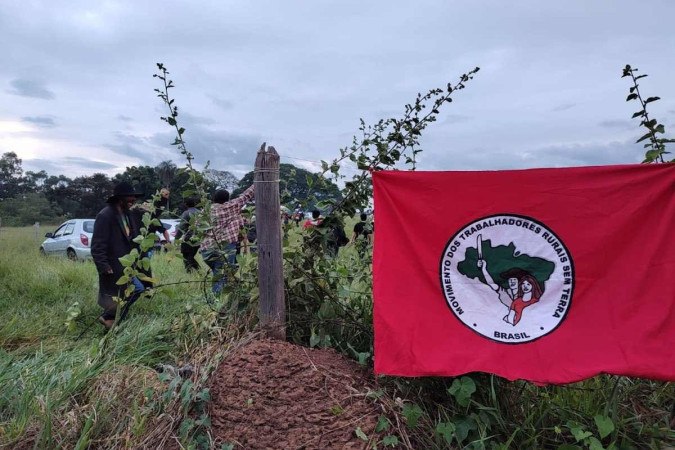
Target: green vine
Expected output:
[656,146]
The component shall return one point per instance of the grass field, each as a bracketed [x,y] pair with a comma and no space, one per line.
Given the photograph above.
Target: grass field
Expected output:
[65,383]
[54,379]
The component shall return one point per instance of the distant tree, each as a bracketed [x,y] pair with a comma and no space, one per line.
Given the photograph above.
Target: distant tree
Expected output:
[144,179]
[35,181]
[166,171]
[26,209]
[11,175]
[58,192]
[222,179]
[295,187]
[90,193]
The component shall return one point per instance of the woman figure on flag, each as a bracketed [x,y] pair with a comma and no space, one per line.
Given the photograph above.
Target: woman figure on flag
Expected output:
[529,293]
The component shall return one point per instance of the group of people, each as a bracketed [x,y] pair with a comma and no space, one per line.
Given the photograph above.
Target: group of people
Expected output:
[120,222]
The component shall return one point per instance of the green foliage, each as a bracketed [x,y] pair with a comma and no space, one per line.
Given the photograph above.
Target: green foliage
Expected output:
[461,389]
[360,434]
[412,414]
[298,186]
[656,146]
[27,209]
[11,182]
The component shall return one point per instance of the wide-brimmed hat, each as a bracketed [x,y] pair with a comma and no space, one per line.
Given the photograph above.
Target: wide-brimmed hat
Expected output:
[123,189]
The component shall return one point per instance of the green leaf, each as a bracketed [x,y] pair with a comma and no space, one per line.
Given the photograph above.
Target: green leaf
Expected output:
[604,424]
[631,97]
[382,424]
[360,434]
[412,414]
[123,280]
[143,277]
[652,99]
[390,441]
[446,430]
[646,136]
[148,242]
[314,340]
[595,444]
[569,447]
[462,428]
[638,113]
[461,389]
[579,433]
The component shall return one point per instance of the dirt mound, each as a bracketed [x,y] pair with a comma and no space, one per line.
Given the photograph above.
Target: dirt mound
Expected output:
[272,394]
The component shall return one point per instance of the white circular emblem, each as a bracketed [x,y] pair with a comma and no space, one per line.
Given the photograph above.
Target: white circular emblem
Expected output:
[507,277]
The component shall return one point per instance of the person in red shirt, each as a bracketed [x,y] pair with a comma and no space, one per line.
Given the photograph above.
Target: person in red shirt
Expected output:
[315,221]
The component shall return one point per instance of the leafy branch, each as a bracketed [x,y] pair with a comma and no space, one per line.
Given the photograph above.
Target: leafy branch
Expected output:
[656,145]
[384,144]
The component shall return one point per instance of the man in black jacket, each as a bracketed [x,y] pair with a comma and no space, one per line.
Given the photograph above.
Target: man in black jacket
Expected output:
[114,230]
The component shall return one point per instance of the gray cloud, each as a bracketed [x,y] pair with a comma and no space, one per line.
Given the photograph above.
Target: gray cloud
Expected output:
[222,103]
[135,147]
[564,107]
[40,121]
[25,87]
[301,74]
[560,155]
[224,149]
[617,124]
[58,166]
[455,118]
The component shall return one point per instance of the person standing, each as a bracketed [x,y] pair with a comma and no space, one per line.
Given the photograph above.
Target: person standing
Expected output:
[219,246]
[314,221]
[114,230]
[362,236]
[188,248]
[161,205]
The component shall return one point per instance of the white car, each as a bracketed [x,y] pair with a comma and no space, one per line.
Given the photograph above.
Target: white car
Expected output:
[71,239]
[170,225]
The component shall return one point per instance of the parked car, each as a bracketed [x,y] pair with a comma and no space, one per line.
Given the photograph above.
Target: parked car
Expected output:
[171,225]
[71,239]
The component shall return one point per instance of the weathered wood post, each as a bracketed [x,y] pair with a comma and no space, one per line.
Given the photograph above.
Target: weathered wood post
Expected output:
[268,226]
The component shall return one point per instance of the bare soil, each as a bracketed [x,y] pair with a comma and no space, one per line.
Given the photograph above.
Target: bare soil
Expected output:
[272,394]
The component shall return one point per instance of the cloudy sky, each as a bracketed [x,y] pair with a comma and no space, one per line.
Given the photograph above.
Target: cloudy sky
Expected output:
[76,85]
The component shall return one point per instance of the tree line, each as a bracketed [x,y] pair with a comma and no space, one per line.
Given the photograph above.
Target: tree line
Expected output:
[29,197]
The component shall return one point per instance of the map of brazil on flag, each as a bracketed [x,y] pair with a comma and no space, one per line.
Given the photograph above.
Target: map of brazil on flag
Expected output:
[547,275]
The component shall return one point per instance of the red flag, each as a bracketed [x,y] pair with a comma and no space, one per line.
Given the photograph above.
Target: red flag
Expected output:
[548,275]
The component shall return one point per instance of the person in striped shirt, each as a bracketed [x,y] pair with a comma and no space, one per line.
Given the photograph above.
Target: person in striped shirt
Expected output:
[220,242]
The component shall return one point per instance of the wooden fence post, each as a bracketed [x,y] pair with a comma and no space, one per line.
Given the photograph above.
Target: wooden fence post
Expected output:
[268,227]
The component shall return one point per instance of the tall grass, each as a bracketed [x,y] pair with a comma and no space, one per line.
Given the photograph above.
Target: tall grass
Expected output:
[84,388]
[47,372]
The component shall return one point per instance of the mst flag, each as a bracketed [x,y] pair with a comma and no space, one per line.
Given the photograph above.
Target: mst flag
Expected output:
[548,275]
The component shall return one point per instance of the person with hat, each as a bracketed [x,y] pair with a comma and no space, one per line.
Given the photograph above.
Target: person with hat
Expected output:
[115,228]
[509,291]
